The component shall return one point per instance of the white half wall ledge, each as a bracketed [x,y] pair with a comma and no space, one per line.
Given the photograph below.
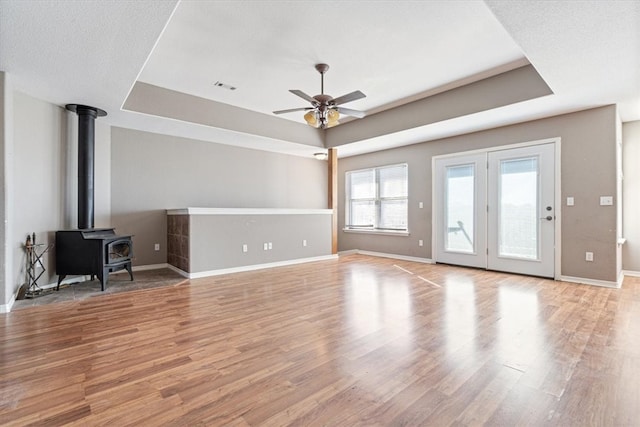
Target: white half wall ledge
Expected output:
[202,274]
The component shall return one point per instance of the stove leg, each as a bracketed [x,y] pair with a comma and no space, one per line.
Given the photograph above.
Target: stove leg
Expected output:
[128,267]
[102,277]
[60,279]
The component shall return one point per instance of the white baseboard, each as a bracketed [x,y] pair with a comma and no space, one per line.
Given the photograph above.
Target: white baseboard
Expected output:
[5,308]
[349,252]
[385,255]
[631,273]
[210,273]
[177,270]
[593,282]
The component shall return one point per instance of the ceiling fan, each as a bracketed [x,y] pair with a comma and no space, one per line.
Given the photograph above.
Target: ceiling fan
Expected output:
[325,110]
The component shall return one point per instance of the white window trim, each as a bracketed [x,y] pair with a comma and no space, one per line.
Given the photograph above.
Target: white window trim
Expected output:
[378,231]
[377,199]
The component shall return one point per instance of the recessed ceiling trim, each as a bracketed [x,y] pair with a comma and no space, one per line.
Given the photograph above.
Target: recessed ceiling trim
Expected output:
[157,101]
[521,84]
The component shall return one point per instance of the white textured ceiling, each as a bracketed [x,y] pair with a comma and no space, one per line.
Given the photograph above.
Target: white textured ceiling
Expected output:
[66,51]
[391,51]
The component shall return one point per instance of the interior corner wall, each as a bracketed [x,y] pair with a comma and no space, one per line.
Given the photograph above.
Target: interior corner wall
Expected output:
[631,195]
[45,179]
[588,171]
[151,173]
[40,138]
[6,193]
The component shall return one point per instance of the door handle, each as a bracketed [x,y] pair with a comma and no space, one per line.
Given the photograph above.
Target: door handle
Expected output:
[548,218]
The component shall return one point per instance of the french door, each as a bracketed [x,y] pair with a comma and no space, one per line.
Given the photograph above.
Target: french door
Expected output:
[496,210]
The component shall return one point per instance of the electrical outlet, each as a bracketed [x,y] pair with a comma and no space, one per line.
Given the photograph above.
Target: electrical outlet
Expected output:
[156,247]
[606,200]
[245,248]
[304,243]
[570,201]
[420,205]
[420,242]
[588,256]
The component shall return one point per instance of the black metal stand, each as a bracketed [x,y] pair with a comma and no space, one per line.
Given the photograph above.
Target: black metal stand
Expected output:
[35,267]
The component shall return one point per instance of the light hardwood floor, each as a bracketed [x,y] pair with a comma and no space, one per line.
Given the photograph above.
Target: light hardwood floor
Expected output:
[359,341]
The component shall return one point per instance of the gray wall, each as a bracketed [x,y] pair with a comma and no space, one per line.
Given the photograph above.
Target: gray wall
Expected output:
[151,173]
[588,171]
[216,240]
[631,195]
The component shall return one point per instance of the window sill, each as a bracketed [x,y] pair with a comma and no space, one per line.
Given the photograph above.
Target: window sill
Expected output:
[381,232]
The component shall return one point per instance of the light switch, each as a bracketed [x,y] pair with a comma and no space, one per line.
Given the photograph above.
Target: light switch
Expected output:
[420,205]
[570,201]
[606,200]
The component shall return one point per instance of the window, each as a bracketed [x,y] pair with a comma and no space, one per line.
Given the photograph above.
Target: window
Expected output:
[377,199]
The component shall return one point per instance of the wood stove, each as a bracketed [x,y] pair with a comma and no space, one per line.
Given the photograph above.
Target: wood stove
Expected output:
[88,250]
[98,252]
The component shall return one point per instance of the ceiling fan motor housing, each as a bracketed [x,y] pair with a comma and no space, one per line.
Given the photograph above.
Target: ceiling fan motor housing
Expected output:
[324,101]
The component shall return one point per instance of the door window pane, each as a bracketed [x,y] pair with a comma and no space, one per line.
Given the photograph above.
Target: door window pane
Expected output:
[459,206]
[518,215]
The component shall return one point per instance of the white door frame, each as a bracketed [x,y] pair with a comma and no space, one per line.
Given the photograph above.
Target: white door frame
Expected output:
[435,213]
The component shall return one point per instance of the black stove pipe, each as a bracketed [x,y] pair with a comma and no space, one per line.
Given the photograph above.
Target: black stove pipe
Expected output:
[86,162]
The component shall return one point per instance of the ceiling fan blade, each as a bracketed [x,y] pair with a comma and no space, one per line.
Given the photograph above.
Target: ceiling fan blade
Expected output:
[349,97]
[350,112]
[291,110]
[303,95]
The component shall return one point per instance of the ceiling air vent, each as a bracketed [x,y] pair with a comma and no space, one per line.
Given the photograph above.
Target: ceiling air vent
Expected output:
[224,85]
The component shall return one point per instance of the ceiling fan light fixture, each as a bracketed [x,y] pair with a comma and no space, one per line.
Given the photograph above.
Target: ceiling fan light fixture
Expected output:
[311,118]
[332,118]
